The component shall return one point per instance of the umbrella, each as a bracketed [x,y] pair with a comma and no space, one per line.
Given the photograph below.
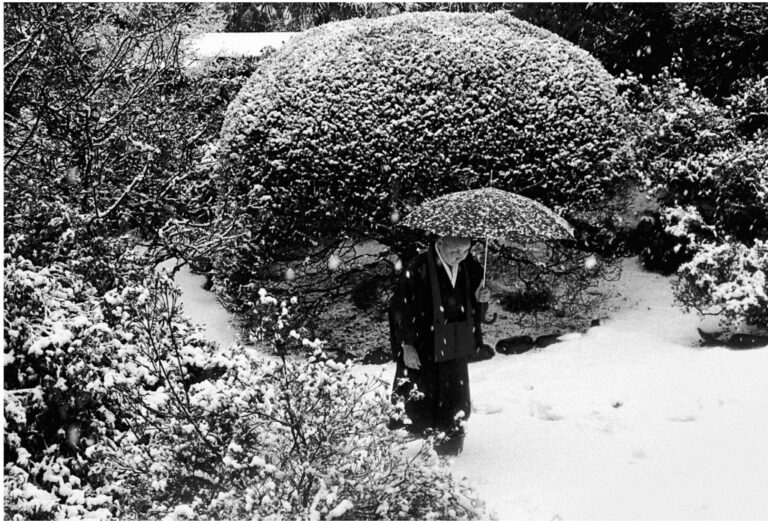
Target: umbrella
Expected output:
[490,213]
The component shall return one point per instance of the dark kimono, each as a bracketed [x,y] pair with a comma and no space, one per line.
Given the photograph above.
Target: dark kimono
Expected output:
[445,385]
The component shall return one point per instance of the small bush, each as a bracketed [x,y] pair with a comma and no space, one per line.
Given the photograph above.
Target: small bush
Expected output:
[116,406]
[666,239]
[268,437]
[727,279]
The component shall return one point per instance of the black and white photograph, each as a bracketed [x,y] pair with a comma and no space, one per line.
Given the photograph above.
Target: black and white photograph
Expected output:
[385,260]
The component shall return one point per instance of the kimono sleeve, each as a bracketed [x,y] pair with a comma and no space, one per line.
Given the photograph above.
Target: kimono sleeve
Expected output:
[402,323]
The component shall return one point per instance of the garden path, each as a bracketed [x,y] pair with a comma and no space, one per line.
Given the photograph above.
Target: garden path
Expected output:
[202,306]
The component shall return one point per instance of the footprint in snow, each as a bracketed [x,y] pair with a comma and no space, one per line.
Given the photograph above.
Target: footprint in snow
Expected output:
[684,418]
[639,454]
[544,412]
[487,409]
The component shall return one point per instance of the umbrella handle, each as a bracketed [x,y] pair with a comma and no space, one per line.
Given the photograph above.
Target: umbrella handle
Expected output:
[485,262]
[485,268]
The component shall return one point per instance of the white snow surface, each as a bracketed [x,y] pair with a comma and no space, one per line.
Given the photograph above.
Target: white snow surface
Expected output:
[236,44]
[628,421]
[201,306]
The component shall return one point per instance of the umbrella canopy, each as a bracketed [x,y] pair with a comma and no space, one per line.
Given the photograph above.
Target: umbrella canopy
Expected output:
[489,213]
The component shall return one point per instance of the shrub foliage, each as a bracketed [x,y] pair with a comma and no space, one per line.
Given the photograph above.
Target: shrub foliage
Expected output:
[730,280]
[107,117]
[708,166]
[696,153]
[116,406]
[351,124]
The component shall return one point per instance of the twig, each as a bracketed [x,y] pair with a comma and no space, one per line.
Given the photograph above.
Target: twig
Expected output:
[123,196]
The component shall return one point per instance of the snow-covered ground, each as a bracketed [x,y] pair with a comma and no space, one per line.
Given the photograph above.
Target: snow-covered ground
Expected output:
[237,44]
[201,306]
[627,421]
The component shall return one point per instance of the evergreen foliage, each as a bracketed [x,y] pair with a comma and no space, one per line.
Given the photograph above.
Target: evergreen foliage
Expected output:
[351,124]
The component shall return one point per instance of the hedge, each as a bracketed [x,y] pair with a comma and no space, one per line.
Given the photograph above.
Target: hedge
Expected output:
[350,124]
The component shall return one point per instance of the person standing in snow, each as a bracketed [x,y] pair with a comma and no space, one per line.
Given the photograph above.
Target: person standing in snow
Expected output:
[435,316]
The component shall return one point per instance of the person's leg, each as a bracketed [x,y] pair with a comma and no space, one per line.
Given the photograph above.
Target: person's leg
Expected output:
[453,405]
[418,389]
[454,398]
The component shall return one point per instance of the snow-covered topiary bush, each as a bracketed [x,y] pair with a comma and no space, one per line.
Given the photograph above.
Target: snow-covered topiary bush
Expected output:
[729,279]
[349,125]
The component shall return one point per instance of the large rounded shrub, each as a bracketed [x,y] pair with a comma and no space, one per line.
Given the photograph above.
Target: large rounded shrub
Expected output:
[367,112]
[350,124]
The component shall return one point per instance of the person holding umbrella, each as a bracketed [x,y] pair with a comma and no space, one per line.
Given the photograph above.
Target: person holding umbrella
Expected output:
[438,306]
[435,324]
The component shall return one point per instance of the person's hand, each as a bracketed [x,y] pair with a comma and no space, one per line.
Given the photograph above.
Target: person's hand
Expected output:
[483,294]
[411,357]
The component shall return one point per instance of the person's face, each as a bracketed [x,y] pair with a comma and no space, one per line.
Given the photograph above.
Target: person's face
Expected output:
[454,250]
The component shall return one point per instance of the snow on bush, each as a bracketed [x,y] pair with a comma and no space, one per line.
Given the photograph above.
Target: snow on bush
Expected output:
[688,228]
[351,123]
[696,154]
[728,279]
[750,106]
[115,405]
[270,437]
[83,372]
[58,396]
[730,187]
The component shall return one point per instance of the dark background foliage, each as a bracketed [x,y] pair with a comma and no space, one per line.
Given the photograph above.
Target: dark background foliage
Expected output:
[105,126]
[720,43]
